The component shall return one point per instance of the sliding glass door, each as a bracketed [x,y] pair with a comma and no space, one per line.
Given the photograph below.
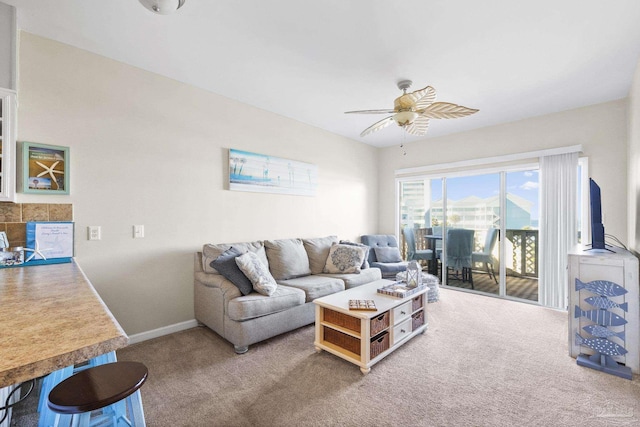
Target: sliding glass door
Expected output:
[472,215]
[521,234]
[482,226]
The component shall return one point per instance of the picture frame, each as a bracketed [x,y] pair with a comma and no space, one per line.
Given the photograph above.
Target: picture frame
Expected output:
[262,173]
[45,169]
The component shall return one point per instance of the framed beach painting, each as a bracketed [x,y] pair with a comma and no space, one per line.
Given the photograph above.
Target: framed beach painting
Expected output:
[45,169]
[268,174]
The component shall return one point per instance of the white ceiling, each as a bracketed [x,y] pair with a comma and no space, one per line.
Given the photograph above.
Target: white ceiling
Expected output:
[311,61]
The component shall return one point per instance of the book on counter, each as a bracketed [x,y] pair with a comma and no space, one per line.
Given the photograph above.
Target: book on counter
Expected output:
[400,289]
[362,304]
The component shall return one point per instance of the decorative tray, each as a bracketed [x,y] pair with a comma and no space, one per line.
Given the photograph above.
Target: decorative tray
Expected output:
[400,289]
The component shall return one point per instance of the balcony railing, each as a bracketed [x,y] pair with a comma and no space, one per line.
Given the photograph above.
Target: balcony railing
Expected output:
[522,249]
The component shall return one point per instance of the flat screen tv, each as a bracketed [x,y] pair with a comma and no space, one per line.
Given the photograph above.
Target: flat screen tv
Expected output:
[597,228]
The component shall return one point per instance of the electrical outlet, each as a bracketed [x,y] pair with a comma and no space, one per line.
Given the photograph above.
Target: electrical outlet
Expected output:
[93,232]
[138,231]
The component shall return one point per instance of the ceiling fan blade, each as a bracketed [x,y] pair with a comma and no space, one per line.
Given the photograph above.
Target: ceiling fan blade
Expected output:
[418,127]
[446,110]
[370,112]
[423,97]
[377,126]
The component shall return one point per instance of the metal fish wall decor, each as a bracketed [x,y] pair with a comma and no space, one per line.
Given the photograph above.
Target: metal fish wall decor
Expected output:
[601,287]
[601,317]
[601,345]
[604,302]
[602,332]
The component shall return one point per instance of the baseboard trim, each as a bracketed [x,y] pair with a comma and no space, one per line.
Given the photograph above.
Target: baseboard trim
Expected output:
[165,330]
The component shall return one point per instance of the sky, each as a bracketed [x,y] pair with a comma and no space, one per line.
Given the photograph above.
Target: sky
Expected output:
[522,183]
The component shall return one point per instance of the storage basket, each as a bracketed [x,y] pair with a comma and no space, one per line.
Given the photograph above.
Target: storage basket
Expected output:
[379,344]
[417,320]
[342,340]
[342,320]
[379,323]
[416,303]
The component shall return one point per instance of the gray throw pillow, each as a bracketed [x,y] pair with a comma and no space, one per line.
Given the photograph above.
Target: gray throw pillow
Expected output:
[261,279]
[226,265]
[389,254]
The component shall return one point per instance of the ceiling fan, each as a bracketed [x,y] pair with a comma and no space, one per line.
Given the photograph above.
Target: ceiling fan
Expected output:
[412,111]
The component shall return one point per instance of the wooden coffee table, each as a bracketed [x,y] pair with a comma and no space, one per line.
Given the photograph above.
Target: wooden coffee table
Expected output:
[366,337]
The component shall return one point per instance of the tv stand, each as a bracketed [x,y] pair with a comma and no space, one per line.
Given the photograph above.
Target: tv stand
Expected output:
[621,268]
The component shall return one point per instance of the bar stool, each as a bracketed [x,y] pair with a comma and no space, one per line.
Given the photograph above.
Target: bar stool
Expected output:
[97,388]
[47,417]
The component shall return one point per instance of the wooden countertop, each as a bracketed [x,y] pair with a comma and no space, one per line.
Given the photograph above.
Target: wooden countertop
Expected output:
[51,317]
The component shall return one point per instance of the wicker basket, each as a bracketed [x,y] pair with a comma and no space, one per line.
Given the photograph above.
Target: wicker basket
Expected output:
[417,320]
[416,303]
[379,344]
[379,323]
[342,340]
[342,320]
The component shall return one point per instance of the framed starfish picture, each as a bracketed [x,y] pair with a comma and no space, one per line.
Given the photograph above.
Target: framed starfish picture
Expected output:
[45,169]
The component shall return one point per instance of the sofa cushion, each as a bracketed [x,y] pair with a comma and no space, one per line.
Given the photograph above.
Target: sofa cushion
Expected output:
[344,259]
[388,254]
[315,286]
[365,263]
[261,279]
[226,265]
[287,258]
[210,252]
[352,280]
[318,251]
[256,305]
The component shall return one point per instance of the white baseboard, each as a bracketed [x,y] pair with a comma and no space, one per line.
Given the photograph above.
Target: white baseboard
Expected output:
[165,330]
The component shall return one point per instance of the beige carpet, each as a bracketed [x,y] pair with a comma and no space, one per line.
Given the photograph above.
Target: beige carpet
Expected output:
[483,362]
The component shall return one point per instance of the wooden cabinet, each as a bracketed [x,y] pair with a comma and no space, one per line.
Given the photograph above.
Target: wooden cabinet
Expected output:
[364,337]
[7,146]
[615,313]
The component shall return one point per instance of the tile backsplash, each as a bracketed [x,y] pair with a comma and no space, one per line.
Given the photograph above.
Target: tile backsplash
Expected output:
[14,216]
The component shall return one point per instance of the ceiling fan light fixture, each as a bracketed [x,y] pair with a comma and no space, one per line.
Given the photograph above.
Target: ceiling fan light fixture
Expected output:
[162,7]
[403,118]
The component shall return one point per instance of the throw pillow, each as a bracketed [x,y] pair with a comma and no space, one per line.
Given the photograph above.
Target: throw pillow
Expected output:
[226,265]
[365,263]
[212,251]
[389,254]
[318,251]
[344,259]
[287,258]
[262,281]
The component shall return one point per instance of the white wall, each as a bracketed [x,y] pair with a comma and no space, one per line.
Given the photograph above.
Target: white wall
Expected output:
[149,150]
[601,129]
[634,163]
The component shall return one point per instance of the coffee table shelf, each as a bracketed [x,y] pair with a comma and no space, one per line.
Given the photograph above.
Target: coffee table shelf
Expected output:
[366,337]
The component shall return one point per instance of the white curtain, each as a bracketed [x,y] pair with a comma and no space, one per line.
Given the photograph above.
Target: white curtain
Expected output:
[558,228]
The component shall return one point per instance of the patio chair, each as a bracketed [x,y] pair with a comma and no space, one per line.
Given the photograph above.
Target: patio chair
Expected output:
[414,254]
[486,255]
[459,250]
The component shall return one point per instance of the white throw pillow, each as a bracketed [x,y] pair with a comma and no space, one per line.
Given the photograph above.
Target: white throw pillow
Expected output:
[261,279]
[344,259]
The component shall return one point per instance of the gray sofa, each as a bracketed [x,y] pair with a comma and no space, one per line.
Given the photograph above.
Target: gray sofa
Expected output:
[297,265]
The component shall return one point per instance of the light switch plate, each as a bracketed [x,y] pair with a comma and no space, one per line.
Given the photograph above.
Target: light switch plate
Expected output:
[138,231]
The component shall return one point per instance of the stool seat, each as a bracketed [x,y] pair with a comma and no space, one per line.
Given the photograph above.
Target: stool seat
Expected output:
[97,387]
